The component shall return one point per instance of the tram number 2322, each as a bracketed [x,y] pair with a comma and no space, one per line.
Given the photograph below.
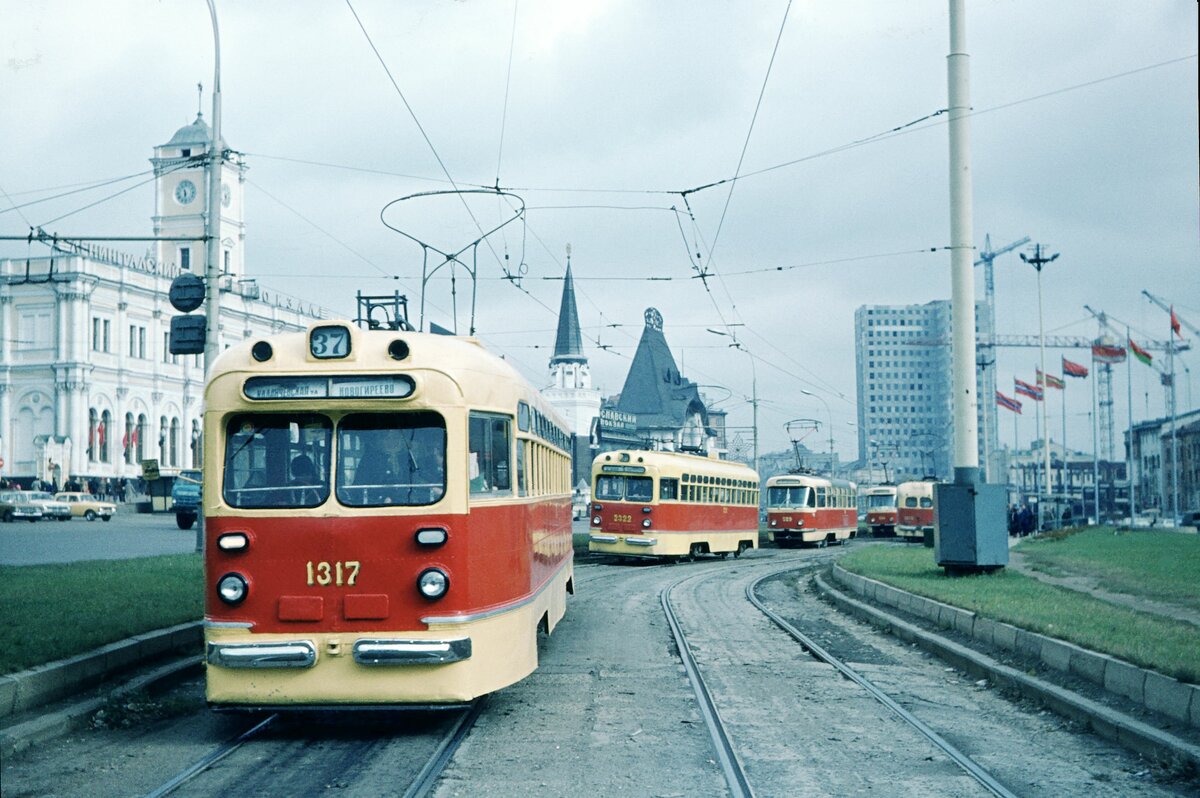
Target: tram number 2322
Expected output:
[618,517]
[338,573]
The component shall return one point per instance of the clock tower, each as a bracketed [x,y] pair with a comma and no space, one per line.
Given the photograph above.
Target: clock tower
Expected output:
[180,201]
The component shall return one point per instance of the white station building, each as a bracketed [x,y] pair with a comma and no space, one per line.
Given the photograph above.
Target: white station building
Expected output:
[88,387]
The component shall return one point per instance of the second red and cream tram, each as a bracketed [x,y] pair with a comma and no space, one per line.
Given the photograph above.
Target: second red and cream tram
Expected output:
[806,508]
[914,508]
[387,521]
[881,510]
[669,504]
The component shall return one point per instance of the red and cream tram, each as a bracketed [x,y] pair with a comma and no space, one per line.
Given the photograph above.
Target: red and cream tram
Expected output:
[387,521]
[914,508]
[881,510]
[806,508]
[668,504]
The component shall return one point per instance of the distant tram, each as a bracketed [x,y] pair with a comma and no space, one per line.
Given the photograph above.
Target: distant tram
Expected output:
[914,509]
[387,521]
[806,508]
[881,510]
[668,504]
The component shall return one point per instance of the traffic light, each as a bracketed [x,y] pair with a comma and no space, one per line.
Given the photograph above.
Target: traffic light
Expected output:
[187,331]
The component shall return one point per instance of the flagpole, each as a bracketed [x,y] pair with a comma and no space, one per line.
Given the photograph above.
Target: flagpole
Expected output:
[1095,449]
[1129,449]
[1062,479]
[1174,440]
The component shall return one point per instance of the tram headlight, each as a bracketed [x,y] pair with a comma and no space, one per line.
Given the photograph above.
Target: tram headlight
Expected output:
[774,522]
[433,583]
[645,523]
[232,588]
[595,520]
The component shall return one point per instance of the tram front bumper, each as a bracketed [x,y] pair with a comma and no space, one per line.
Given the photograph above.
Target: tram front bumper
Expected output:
[303,653]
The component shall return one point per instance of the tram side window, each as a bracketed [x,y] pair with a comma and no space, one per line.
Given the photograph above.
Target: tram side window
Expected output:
[489,443]
[521,446]
[387,459]
[668,489]
[276,460]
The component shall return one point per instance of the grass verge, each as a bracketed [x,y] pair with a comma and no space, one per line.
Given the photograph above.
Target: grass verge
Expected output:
[57,611]
[1163,645]
[1164,566]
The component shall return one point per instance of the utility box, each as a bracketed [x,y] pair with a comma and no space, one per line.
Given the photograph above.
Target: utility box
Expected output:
[970,527]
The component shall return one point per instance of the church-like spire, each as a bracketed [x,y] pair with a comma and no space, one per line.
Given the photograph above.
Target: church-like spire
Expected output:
[568,344]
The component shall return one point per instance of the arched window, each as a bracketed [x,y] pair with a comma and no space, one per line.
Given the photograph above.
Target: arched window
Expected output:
[139,438]
[93,444]
[195,444]
[102,433]
[162,439]
[129,439]
[175,441]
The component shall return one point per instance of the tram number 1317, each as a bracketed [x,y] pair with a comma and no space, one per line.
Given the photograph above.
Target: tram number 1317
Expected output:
[338,573]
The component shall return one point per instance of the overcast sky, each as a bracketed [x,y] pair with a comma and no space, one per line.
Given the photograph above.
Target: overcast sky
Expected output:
[1084,139]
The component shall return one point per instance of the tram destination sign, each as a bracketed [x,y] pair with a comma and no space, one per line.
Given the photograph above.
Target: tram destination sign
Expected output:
[624,469]
[383,386]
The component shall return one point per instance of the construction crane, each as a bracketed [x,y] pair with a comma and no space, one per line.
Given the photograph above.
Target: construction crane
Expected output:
[986,257]
[1170,309]
[1169,382]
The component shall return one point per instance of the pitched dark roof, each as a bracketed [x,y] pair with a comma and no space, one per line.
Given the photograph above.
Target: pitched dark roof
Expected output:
[654,389]
[568,344]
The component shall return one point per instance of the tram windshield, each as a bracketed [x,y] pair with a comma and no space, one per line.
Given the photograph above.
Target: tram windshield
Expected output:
[790,496]
[881,500]
[618,488]
[276,460]
[391,459]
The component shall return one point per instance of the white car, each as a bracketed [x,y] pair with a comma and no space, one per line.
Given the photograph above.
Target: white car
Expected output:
[51,509]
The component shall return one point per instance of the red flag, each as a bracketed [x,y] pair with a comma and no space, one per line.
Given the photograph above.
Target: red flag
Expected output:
[125,439]
[1072,369]
[1032,391]
[1175,323]
[1139,353]
[100,433]
[1108,353]
[1006,402]
[1050,381]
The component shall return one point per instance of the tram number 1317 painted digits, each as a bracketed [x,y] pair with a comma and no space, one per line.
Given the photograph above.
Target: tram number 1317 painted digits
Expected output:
[338,573]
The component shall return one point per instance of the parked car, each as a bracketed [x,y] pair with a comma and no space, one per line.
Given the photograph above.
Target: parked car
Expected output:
[14,506]
[51,509]
[85,505]
[185,498]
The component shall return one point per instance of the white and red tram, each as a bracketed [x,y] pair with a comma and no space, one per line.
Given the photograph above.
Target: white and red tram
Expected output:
[806,508]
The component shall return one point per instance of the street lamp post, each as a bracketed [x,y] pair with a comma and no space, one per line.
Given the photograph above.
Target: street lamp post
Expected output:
[1037,262]
[830,414]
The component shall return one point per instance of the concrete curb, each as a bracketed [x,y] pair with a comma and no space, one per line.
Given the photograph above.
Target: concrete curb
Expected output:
[1106,722]
[35,687]
[17,738]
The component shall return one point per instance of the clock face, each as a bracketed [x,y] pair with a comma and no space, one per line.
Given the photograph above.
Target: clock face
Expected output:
[185,192]
[226,196]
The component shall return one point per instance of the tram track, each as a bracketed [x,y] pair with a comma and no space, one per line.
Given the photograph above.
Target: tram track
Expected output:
[422,783]
[969,765]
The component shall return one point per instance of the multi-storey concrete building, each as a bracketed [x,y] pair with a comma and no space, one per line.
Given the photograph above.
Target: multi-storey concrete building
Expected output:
[88,387]
[903,365]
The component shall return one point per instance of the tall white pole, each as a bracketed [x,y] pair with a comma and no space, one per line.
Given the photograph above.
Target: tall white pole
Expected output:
[962,277]
[1129,451]
[1044,403]
[1095,448]
[212,222]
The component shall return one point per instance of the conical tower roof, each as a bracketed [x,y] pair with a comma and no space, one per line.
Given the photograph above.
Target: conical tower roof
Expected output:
[568,343]
[654,389]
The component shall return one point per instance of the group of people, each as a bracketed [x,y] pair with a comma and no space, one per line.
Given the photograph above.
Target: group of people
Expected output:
[1021,521]
[117,489]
